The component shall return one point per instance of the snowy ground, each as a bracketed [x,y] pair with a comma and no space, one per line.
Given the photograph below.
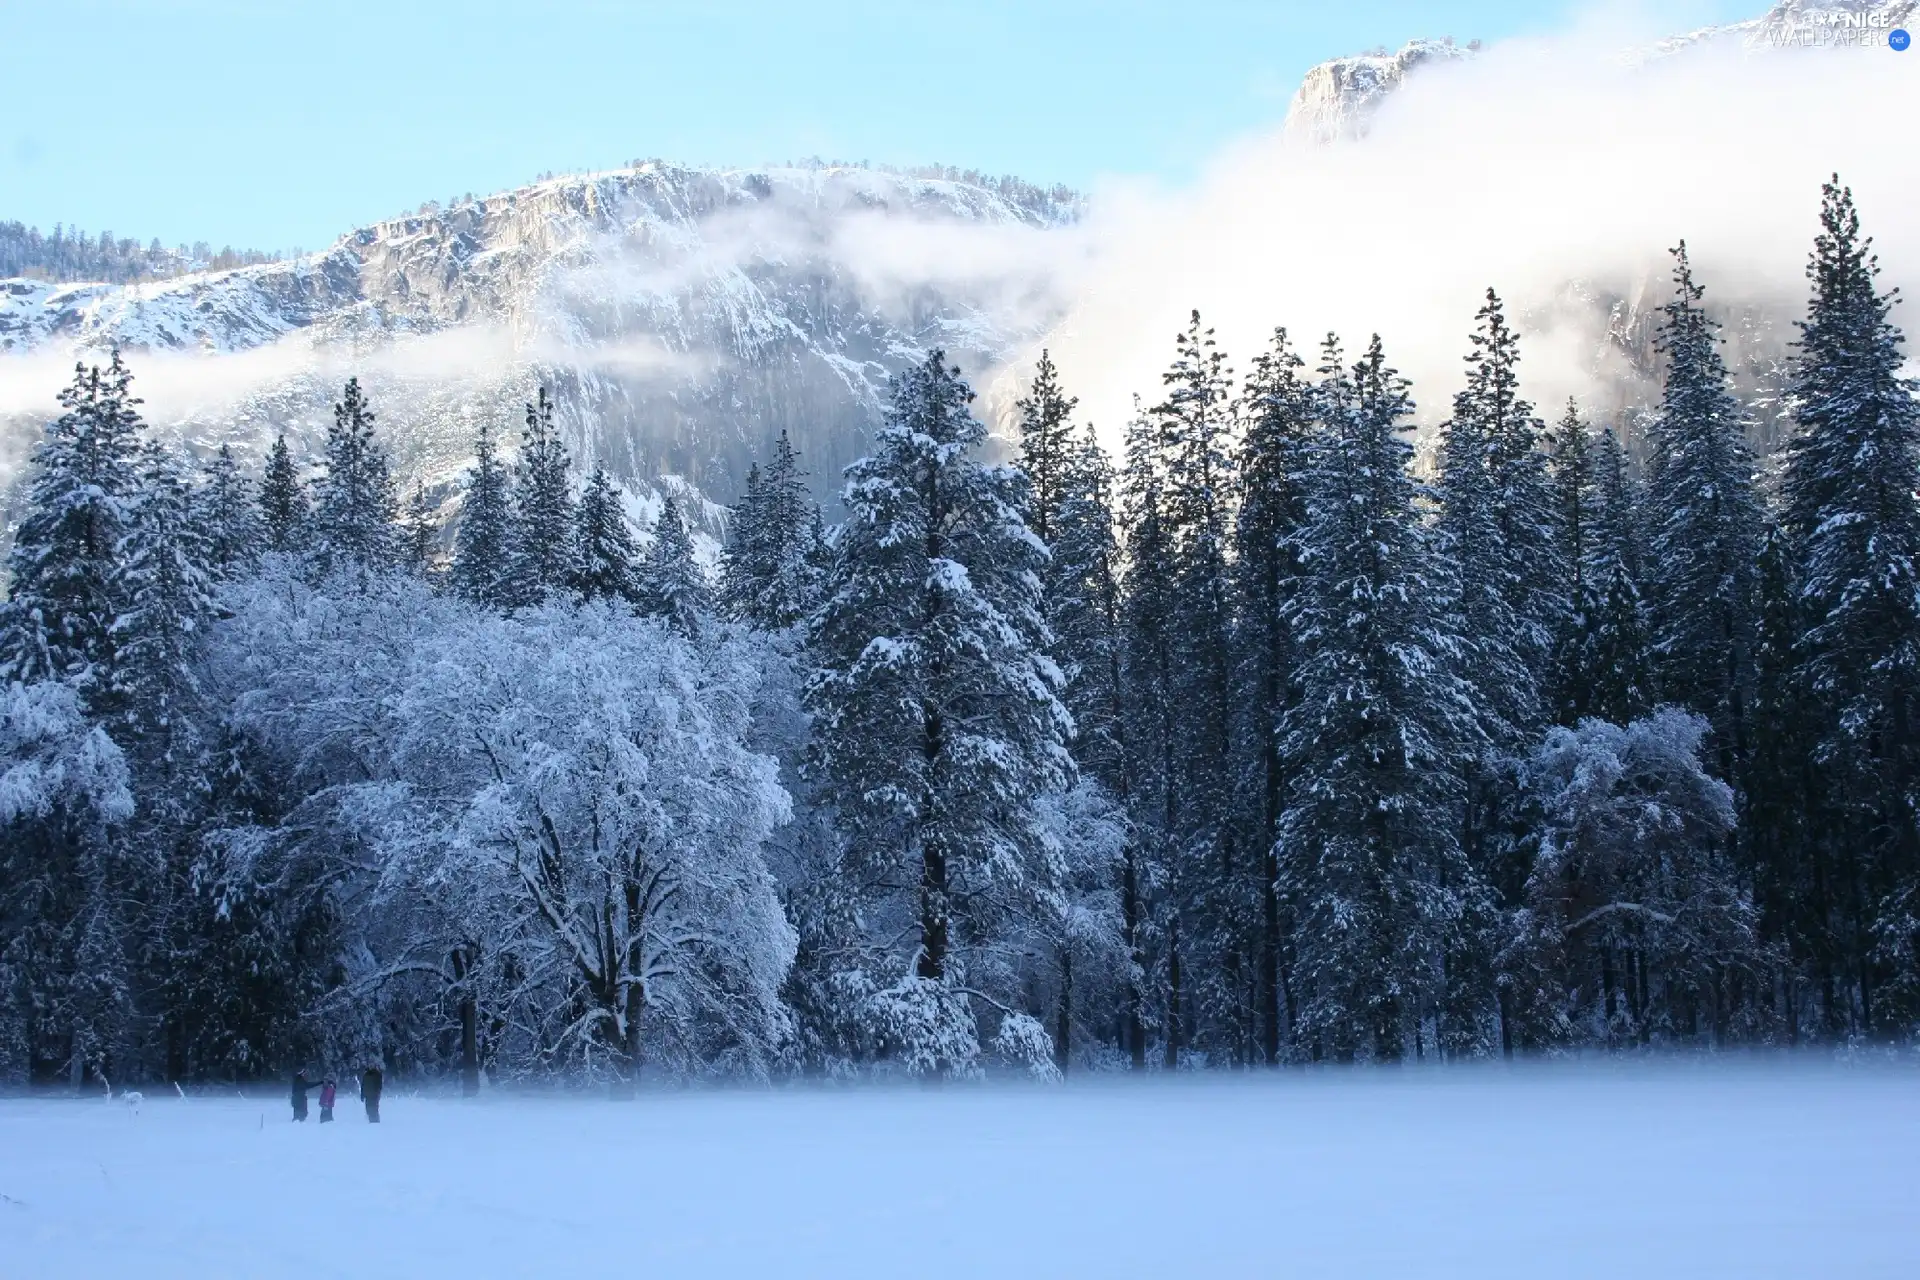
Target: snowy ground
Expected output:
[1734,1171]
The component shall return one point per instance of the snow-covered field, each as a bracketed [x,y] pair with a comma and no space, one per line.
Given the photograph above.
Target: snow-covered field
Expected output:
[1737,1171]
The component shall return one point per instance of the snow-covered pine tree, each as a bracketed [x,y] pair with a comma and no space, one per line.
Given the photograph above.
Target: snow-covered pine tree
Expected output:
[483,541]
[227,511]
[1614,662]
[1046,444]
[1148,623]
[543,509]
[1369,847]
[65,589]
[283,500]
[419,530]
[1216,900]
[672,583]
[937,721]
[1704,521]
[355,507]
[1853,467]
[1496,525]
[603,550]
[771,568]
[1275,459]
[166,584]
[1780,818]
[1575,498]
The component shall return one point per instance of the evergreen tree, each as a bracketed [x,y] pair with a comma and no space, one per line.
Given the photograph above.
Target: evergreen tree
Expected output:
[1215,900]
[543,510]
[1705,527]
[420,529]
[1613,662]
[355,507]
[1853,468]
[603,555]
[1576,494]
[1147,633]
[167,585]
[1780,816]
[1046,445]
[1496,522]
[672,584]
[1275,459]
[228,512]
[771,568]
[1370,852]
[283,500]
[484,540]
[937,724]
[65,590]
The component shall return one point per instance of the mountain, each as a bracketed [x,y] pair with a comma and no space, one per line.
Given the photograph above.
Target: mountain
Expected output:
[683,318]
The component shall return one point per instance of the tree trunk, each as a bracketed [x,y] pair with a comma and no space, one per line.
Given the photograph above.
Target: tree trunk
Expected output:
[1136,1028]
[1063,1038]
[1172,1056]
[469,1026]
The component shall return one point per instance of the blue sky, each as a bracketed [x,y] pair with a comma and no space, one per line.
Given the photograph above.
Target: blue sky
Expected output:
[271,124]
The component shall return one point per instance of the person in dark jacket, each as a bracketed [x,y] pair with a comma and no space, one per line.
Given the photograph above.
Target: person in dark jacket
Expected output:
[370,1093]
[300,1086]
[327,1095]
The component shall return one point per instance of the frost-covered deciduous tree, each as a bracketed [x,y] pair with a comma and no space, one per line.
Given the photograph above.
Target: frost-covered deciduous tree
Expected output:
[590,791]
[66,929]
[1635,926]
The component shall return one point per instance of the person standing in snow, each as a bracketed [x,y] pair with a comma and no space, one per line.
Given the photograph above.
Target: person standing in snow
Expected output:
[370,1093]
[327,1094]
[300,1086]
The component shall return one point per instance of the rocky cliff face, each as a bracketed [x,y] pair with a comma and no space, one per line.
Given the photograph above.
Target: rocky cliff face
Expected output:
[683,318]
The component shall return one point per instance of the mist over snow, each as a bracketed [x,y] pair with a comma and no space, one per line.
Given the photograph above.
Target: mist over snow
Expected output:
[1553,169]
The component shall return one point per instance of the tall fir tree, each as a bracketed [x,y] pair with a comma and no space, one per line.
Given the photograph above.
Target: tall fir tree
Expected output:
[543,509]
[1704,527]
[1215,893]
[1613,662]
[1046,444]
[1496,522]
[1576,494]
[1853,468]
[483,541]
[166,582]
[355,506]
[229,513]
[937,724]
[1370,852]
[672,583]
[420,532]
[1148,625]
[1274,464]
[771,568]
[65,591]
[283,501]
[603,548]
